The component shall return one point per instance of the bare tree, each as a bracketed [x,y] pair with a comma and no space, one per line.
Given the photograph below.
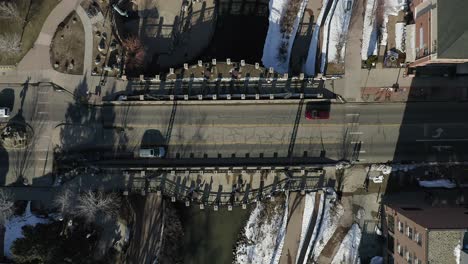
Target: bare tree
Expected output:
[10,43]
[6,206]
[66,202]
[9,10]
[91,204]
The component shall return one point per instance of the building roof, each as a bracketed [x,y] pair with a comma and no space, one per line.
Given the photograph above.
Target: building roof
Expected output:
[452,24]
[436,217]
[436,209]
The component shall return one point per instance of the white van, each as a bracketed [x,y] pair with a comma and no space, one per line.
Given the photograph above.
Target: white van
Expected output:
[4,112]
[158,152]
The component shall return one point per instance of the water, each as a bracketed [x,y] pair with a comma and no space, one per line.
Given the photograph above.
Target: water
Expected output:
[210,236]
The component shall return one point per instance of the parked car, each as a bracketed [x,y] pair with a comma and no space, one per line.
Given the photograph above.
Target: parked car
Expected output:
[317,110]
[4,112]
[158,152]
[122,98]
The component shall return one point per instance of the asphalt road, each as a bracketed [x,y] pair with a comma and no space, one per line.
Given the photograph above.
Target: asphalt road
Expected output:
[368,133]
[432,131]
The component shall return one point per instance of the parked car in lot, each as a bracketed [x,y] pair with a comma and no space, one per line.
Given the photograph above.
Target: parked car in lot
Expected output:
[317,110]
[4,112]
[158,152]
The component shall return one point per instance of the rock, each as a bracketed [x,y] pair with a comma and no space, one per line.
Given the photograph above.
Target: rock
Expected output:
[74,20]
[56,65]
[97,60]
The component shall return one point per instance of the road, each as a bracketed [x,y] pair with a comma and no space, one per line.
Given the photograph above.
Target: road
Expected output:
[364,132]
[367,133]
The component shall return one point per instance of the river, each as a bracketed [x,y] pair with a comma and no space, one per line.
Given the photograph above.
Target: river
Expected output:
[209,236]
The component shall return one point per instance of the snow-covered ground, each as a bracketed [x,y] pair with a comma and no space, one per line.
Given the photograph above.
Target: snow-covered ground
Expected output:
[339,31]
[309,67]
[326,36]
[14,227]
[275,39]
[306,217]
[392,7]
[400,36]
[456,252]
[369,32]
[438,184]
[348,250]
[316,229]
[376,260]
[264,239]
[329,223]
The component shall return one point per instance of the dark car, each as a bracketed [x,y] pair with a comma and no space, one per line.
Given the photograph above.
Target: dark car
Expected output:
[317,110]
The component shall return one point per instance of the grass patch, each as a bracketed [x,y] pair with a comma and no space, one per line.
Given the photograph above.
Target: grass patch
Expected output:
[33,13]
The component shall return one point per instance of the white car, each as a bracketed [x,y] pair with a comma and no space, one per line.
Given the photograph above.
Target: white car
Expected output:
[4,112]
[377,179]
[158,152]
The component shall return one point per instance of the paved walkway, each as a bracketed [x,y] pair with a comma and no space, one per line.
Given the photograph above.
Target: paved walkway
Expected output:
[38,58]
[353,53]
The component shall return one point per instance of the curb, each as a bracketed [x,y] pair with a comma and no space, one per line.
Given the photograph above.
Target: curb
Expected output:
[216,102]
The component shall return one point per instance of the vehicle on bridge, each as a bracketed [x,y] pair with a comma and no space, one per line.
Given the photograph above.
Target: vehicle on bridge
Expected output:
[4,112]
[158,152]
[317,110]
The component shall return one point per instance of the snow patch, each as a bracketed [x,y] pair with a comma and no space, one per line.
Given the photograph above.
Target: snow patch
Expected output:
[309,67]
[369,32]
[391,8]
[329,223]
[438,184]
[456,252]
[339,31]
[400,36]
[316,229]
[275,39]
[264,239]
[306,218]
[326,31]
[348,250]
[377,260]
[14,228]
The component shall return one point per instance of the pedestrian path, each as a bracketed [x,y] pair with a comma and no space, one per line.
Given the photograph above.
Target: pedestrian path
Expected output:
[293,228]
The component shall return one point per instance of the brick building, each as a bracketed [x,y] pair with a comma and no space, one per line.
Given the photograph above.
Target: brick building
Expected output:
[418,232]
[441,31]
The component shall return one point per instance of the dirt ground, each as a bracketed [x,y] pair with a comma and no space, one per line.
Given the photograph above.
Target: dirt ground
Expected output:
[68,46]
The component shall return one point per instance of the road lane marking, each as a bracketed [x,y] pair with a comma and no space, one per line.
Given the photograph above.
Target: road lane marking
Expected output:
[356,133]
[362,151]
[357,142]
[353,114]
[443,140]
[253,125]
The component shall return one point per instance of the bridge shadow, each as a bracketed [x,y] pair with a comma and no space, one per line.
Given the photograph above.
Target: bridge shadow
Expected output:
[172,37]
[236,21]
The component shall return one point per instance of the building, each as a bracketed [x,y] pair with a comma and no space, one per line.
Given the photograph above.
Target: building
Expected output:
[418,232]
[440,32]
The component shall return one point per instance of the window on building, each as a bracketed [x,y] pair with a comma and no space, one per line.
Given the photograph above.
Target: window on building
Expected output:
[421,37]
[409,257]
[391,223]
[399,249]
[409,232]
[400,226]
[416,260]
[417,238]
